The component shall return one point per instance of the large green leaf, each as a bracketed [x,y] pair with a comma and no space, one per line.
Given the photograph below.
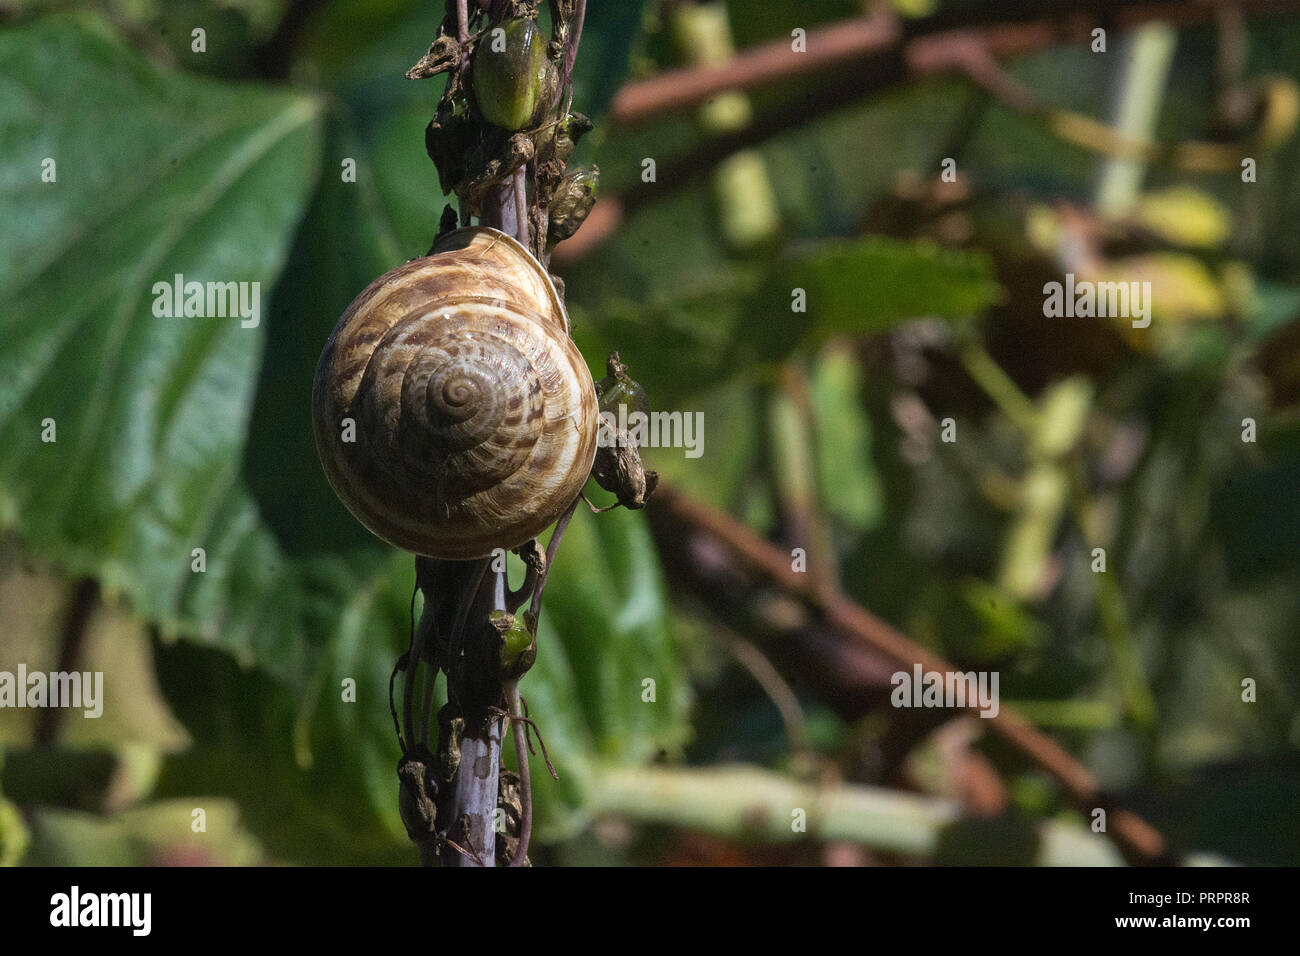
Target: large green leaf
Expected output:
[156,175]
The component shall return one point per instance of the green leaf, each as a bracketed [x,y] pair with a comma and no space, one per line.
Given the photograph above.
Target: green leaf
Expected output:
[674,348]
[156,175]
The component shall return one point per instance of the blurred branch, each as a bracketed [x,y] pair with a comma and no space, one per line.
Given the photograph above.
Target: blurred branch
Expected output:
[752,805]
[925,47]
[838,45]
[1051,430]
[1139,841]
[998,385]
[82,600]
[1135,691]
[793,424]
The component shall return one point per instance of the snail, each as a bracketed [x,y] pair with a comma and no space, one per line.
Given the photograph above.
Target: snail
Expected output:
[453,413]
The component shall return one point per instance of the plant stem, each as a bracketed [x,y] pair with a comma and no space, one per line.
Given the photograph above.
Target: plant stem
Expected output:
[998,385]
[552,546]
[477,781]
[1142,88]
[472,808]
[477,698]
[753,805]
[519,732]
[81,605]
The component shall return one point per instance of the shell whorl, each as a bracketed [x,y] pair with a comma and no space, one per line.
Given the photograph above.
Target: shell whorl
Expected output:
[475,415]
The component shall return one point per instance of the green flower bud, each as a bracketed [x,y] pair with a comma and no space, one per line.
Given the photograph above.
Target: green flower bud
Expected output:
[512,74]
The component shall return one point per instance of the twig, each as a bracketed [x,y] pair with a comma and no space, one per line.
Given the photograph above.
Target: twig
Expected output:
[462,25]
[531,724]
[774,686]
[552,546]
[426,634]
[520,193]
[520,734]
[571,51]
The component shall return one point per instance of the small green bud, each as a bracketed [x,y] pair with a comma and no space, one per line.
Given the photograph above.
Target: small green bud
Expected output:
[516,641]
[517,651]
[618,388]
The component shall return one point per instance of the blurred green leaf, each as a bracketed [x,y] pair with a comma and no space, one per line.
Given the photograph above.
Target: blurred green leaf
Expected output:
[846,474]
[345,242]
[313,773]
[157,834]
[608,34]
[1184,216]
[673,348]
[157,175]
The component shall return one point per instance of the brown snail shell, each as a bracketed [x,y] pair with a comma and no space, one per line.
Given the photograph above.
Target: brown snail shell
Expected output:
[475,414]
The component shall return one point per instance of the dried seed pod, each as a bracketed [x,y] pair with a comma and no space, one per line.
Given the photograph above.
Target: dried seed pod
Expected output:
[574,197]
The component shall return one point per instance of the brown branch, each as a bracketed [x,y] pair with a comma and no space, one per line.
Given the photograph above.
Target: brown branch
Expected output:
[1137,839]
[838,45]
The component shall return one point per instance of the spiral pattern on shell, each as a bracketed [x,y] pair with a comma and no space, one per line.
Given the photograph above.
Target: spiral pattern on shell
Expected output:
[474,415]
